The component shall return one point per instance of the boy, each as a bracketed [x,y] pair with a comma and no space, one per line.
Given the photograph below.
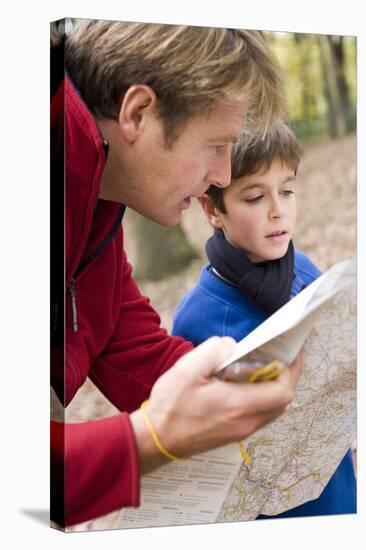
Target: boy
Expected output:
[253,268]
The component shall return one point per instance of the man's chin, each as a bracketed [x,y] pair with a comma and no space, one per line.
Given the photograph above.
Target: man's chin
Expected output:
[168,221]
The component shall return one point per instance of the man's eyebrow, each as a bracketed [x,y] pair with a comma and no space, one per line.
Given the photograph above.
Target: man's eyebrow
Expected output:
[228,138]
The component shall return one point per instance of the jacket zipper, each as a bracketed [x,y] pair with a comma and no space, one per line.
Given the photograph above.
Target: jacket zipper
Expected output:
[95,254]
[74,306]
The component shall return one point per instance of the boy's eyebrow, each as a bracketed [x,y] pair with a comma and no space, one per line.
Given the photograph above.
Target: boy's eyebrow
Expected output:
[289,178]
[254,185]
[249,186]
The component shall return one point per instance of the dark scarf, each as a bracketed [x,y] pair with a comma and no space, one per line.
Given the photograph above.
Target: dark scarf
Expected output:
[267,284]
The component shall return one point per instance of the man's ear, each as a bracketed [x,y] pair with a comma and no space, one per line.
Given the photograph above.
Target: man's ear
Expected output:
[139,101]
[212,213]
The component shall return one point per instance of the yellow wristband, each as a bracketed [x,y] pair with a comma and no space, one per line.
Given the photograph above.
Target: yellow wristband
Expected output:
[156,440]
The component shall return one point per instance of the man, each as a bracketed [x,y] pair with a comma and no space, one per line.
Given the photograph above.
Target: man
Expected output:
[148,114]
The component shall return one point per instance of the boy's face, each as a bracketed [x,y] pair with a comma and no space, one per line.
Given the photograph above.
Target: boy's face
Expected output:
[260,212]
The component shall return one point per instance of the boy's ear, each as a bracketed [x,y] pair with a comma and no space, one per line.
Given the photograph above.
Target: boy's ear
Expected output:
[212,213]
[138,102]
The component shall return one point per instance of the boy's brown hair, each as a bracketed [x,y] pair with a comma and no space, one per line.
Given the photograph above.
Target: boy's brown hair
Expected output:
[255,152]
[189,68]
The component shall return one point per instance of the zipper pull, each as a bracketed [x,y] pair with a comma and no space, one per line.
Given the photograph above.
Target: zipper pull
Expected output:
[73,304]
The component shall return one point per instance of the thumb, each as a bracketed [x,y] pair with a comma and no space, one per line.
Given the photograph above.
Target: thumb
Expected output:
[209,355]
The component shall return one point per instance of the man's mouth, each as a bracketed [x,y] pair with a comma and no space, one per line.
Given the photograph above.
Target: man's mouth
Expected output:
[187,200]
[186,203]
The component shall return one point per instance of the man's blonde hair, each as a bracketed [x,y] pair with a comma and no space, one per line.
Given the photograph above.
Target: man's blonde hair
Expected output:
[189,68]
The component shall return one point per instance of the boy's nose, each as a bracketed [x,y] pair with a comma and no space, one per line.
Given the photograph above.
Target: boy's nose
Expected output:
[276,210]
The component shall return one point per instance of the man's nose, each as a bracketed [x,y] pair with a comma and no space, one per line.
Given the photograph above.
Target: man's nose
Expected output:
[220,173]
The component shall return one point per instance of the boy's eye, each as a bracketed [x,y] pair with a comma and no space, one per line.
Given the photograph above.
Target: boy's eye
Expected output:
[254,200]
[287,192]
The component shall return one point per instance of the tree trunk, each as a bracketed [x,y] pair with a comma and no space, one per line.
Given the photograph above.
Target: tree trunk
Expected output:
[336,114]
[161,251]
[336,46]
[308,107]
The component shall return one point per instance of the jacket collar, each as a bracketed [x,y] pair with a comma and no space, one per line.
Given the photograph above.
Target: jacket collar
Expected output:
[85,157]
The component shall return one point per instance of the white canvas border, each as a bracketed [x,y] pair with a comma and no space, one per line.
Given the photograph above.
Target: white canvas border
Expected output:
[25,271]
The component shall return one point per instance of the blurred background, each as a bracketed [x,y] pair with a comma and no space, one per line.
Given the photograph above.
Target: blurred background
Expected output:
[321,92]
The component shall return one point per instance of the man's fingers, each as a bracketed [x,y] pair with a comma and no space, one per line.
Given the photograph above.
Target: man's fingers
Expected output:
[264,396]
[209,355]
[277,393]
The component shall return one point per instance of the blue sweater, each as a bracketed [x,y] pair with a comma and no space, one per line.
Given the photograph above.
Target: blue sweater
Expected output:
[215,308]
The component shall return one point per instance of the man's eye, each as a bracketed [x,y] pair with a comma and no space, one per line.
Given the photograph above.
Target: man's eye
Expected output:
[254,200]
[220,147]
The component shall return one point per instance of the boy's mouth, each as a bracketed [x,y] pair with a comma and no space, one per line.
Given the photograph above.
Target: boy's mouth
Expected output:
[279,233]
[278,237]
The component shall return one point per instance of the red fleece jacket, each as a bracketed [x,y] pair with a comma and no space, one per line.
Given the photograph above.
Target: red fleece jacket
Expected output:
[117,341]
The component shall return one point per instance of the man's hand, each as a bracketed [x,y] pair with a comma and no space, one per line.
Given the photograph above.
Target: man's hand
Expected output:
[193,411]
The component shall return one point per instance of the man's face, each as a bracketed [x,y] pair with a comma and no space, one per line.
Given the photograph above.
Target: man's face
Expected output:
[260,212]
[160,181]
